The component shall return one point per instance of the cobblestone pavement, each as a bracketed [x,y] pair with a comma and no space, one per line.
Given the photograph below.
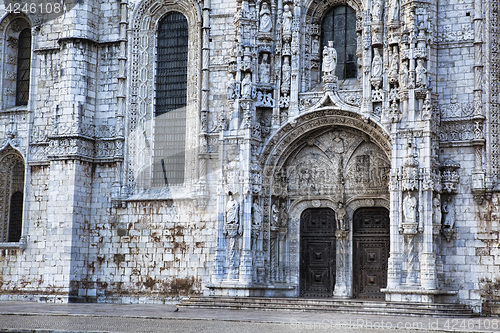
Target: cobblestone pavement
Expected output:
[44,317]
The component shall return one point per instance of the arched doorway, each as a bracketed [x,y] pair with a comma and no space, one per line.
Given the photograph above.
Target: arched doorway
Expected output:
[317,252]
[330,160]
[370,252]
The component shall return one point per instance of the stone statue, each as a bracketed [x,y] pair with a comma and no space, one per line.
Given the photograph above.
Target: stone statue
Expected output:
[377,65]
[341,216]
[232,88]
[256,223]
[285,69]
[376,11]
[232,229]
[394,10]
[232,225]
[265,69]
[449,219]
[315,46]
[287,20]
[246,86]
[329,59]
[404,74]
[265,18]
[275,215]
[421,74]
[394,67]
[410,209]
[283,216]
[436,211]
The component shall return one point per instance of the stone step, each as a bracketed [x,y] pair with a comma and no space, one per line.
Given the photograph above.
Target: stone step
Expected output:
[337,305]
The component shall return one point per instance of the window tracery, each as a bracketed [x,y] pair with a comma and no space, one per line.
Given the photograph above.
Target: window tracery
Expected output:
[11,195]
[16,49]
[339,25]
[147,115]
[170,106]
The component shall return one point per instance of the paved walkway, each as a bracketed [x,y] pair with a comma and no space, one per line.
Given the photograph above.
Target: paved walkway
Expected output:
[47,317]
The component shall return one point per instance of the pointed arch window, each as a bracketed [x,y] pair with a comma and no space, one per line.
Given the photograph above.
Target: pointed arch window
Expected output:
[171,100]
[11,199]
[339,26]
[16,61]
[23,67]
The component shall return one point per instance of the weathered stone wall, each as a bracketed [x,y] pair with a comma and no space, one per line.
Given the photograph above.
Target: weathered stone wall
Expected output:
[90,235]
[152,250]
[461,269]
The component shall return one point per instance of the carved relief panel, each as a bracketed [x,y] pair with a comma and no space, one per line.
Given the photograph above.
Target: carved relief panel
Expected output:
[337,163]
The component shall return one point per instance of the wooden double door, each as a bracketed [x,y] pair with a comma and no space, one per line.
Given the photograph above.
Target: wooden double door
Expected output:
[318,252]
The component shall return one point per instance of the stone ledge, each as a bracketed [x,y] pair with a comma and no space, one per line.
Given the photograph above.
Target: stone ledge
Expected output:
[416,295]
[10,245]
[419,291]
[233,288]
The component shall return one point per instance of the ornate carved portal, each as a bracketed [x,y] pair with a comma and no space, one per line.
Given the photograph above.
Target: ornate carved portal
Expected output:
[321,179]
[371,251]
[317,255]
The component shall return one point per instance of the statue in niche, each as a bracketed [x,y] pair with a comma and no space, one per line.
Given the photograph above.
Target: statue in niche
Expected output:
[377,65]
[283,216]
[246,86]
[315,46]
[265,18]
[265,69]
[376,11]
[285,80]
[404,74]
[394,10]
[232,88]
[256,223]
[449,219]
[340,216]
[436,211]
[232,216]
[394,67]
[232,229]
[275,214]
[421,74]
[410,209]
[287,20]
[329,59]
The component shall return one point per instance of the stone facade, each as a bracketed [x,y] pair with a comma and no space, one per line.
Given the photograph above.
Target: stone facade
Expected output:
[273,133]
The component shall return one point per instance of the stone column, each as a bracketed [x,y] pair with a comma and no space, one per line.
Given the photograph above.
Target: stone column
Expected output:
[341,288]
[395,255]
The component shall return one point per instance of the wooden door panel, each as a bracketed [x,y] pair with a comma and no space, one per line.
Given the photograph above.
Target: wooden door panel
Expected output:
[371,252]
[371,266]
[317,267]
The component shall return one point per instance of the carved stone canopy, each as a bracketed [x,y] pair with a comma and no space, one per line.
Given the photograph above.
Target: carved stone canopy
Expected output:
[450,176]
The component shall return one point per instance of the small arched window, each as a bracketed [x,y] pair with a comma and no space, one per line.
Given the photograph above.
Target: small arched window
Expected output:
[11,199]
[171,100]
[339,26]
[23,67]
